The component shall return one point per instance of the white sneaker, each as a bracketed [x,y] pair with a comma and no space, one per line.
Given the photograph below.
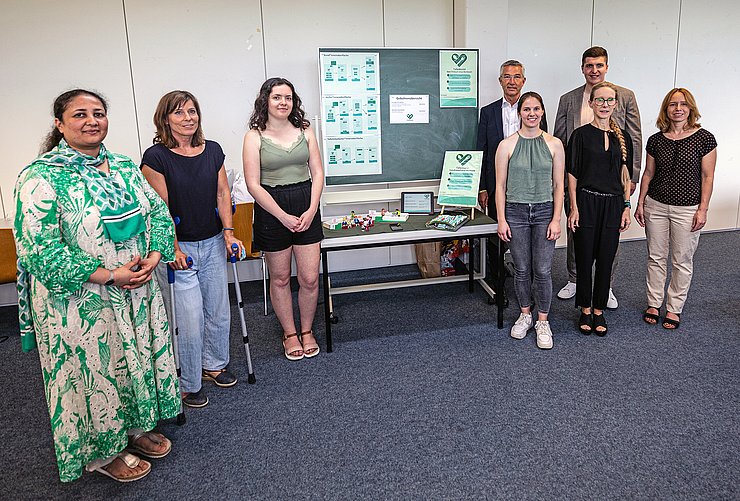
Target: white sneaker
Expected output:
[521,326]
[612,302]
[544,334]
[568,291]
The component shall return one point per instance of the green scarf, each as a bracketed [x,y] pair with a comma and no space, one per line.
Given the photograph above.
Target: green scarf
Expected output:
[119,210]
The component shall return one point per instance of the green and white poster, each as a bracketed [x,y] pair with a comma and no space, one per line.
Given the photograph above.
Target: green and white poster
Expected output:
[350,113]
[460,178]
[458,79]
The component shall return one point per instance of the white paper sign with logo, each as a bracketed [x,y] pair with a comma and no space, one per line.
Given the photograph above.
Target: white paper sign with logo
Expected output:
[460,179]
[409,108]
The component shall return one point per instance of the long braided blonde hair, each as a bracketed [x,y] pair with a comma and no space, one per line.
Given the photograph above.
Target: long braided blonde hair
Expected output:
[624,172]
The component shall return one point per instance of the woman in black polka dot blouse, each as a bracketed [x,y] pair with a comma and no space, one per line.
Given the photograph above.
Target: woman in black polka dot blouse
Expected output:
[674,196]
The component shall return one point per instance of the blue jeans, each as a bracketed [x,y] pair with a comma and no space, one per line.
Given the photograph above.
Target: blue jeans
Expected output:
[531,251]
[203,312]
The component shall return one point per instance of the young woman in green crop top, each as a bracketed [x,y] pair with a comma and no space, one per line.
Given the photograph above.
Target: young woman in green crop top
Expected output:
[530,167]
[282,167]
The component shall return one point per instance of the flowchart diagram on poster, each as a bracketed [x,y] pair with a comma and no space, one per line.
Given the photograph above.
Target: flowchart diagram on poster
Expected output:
[350,113]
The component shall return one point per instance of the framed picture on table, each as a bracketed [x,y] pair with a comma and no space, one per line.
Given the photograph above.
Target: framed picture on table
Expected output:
[417,202]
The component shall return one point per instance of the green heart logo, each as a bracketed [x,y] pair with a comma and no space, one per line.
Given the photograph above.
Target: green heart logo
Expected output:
[410,116]
[459,59]
[463,159]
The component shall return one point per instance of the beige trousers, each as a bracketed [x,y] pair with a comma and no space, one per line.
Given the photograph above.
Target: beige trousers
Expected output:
[668,229]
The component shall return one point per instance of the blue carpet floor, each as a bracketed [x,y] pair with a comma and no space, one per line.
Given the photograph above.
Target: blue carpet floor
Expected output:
[423,398]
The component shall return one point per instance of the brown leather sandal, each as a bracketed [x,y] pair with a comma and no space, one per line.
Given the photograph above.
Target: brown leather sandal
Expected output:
[131,462]
[295,353]
[135,446]
[310,349]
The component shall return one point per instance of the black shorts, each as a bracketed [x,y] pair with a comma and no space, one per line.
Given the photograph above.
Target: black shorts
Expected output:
[269,234]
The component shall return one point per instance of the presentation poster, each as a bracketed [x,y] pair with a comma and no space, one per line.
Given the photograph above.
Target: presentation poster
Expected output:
[458,79]
[350,113]
[460,178]
[380,119]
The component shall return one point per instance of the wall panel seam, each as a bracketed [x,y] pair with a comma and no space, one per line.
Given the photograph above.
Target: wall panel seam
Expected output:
[382,19]
[678,43]
[131,72]
[593,15]
[264,40]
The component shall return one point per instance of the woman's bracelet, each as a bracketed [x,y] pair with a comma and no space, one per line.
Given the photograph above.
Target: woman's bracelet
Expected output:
[627,204]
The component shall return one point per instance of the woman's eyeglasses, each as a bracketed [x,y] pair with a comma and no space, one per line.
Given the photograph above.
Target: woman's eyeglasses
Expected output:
[610,101]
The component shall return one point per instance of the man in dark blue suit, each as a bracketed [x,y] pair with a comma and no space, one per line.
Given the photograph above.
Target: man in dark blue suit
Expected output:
[498,121]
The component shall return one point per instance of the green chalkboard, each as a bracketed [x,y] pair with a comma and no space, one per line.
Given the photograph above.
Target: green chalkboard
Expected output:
[413,152]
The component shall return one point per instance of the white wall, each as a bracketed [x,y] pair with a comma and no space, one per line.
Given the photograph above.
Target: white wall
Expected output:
[709,66]
[36,40]
[213,49]
[133,51]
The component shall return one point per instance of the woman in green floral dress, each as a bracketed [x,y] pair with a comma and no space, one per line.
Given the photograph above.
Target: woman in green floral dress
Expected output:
[89,231]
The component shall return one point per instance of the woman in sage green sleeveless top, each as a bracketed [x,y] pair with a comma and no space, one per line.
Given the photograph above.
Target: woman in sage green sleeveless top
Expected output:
[282,167]
[529,200]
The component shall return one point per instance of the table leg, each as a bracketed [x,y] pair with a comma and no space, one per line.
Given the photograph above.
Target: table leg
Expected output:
[471,266]
[327,309]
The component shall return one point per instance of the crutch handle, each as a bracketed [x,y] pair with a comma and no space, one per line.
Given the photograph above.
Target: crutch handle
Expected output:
[176,220]
[234,252]
[171,272]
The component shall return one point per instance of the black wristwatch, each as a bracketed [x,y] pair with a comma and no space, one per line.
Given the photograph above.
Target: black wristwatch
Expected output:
[111,280]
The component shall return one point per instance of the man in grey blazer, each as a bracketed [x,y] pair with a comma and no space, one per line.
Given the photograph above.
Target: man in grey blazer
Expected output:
[573,112]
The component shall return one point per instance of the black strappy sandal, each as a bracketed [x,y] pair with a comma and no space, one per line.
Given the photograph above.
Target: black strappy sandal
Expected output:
[600,321]
[673,323]
[585,320]
[651,318]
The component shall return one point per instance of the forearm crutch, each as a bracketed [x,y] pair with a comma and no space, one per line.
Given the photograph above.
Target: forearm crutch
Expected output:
[245,337]
[174,332]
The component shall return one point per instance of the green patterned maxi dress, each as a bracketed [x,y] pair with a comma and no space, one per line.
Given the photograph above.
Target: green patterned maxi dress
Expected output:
[105,352]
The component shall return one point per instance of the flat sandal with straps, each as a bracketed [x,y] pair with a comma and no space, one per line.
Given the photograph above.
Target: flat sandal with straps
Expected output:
[131,462]
[671,324]
[651,318]
[290,355]
[155,438]
[310,349]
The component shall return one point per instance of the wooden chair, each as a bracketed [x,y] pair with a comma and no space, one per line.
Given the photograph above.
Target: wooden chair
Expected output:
[7,256]
[243,218]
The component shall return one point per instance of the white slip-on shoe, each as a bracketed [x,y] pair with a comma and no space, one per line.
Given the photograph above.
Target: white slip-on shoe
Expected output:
[544,334]
[612,302]
[521,326]
[568,291]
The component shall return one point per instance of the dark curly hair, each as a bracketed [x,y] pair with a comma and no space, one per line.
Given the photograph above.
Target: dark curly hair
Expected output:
[258,120]
[60,106]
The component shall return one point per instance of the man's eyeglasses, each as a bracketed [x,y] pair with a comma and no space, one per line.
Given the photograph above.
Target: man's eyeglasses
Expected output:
[511,77]
[610,101]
